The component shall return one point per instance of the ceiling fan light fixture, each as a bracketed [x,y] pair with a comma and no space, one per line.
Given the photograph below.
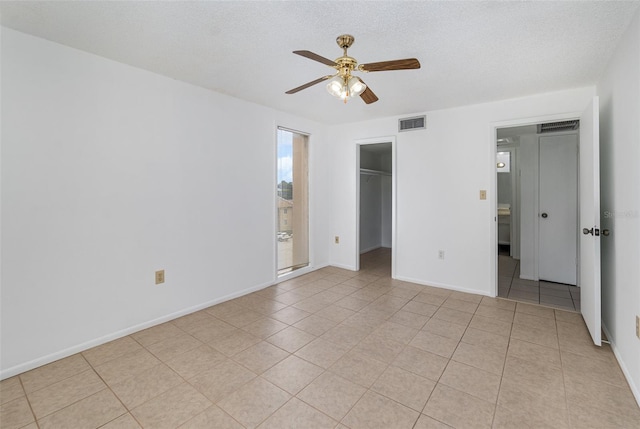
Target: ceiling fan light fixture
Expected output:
[336,87]
[356,87]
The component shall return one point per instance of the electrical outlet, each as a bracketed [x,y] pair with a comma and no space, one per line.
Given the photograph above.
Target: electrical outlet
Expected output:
[483,194]
[337,239]
[638,326]
[159,277]
[440,254]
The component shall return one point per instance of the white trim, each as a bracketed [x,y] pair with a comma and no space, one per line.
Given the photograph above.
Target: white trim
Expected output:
[493,183]
[378,140]
[623,367]
[443,286]
[35,363]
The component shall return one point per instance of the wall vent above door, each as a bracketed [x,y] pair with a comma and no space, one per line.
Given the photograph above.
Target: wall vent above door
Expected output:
[553,127]
[411,124]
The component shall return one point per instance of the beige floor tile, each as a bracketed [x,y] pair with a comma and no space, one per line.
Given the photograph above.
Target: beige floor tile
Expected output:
[454,316]
[569,317]
[156,334]
[485,339]
[379,347]
[243,318]
[534,353]
[53,372]
[476,382]
[111,350]
[235,343]
[426,422]
[126,366]
[508,419]
[374,411]
[322,353]
[146,385]
[289,298]
[459,409]
[260,357]
[226,308]
[434,343]
[198,360]
[192,321]
[290,315]
[265,327]
[584,416]
[213,331]
[602,396]
[336,313]
[221,380]
[311,304]
[296,414]
[16,413]
[502,314]
[464,296]
[516,395]
[497,303]
[443,328]
[535,310]
[407,318]
[422,363]
[212,417]
[293,374]
[533,321]
[458,304]
[488,359]
[352,303]
[10,389]
[254,402]
[125,421]
[267,306]
[422,308]
[532,335]
[367,321]
[91,412]
[576,366]
[488,324]
[331,394]
[404,387]
[431,298]
[315,325]
[358,368]
[174,346]
[291,339]
[396,332]
[172,408]
[344,335]
[58,395]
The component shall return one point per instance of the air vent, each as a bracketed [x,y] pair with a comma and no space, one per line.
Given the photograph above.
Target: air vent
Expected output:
[553,127]
[411,124]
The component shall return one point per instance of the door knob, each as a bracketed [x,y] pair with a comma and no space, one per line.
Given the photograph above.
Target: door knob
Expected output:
[606,232]
[586,231]
[544,215]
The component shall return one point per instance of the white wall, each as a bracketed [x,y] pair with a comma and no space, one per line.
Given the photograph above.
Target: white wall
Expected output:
[440,172]
[110,173]
[619,92]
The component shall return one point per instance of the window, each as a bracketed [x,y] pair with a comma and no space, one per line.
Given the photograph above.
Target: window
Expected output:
[293,201]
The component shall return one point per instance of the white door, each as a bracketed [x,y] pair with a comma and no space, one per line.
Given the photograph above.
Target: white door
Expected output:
[590,219]
[558,204]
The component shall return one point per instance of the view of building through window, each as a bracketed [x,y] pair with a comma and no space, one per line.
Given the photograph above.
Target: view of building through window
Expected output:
[293,201]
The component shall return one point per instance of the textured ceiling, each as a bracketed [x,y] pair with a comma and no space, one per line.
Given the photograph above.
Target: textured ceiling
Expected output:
[471,52]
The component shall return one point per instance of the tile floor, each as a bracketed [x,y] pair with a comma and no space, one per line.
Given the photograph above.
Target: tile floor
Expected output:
[511,286]
[337,349]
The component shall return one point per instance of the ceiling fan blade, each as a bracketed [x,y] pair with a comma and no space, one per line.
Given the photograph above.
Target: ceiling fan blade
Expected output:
[308,84]
[316,57]
[406,64]
[367,95]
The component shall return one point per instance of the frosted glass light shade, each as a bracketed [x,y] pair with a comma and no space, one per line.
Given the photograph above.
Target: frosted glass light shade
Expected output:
[356,87]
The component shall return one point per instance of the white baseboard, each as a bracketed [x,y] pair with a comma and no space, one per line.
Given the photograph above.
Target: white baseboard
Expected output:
[35,363]
[444,286]
[623,367]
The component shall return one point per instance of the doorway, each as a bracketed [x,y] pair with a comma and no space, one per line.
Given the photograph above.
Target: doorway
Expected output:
[375,198]
[537,214]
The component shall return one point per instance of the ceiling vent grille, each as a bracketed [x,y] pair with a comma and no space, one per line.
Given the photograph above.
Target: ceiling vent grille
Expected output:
[412,124]
[553,127]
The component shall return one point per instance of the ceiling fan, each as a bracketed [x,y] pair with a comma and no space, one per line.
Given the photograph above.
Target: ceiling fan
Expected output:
[343,83]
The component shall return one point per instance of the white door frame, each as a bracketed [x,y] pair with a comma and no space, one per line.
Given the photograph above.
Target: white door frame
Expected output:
[377,140]
[493,189]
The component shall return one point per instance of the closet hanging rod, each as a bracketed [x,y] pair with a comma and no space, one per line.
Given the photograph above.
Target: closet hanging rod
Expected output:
[374,172]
